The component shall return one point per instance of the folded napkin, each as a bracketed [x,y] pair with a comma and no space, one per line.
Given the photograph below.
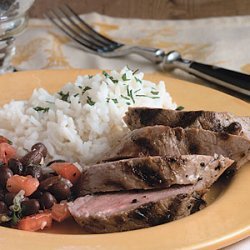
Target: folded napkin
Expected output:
[220,41]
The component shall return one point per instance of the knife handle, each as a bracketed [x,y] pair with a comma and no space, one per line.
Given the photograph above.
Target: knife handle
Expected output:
[230,79]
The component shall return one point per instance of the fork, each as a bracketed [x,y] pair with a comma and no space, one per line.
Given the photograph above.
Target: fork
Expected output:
[93,42]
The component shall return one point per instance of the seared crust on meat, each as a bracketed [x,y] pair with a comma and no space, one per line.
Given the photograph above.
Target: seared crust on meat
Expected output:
[166,141]
[150,172]
[223,122]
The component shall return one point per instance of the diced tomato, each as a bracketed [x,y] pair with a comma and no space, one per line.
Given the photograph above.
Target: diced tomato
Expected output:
[27,183]
[67,170]
[35,222]
[6,152]
[4,139]
[60,212]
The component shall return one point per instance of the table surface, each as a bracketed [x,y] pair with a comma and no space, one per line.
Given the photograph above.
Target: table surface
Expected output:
[151,9]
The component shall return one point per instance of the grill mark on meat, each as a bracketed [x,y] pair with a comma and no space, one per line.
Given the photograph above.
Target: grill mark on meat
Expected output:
[159,206]
[208,120]
[147,116]
[193,148]
[143,212]
[224,136]
[149,214]
[187,118]
[234,128]
[194,141]
[198,205]
[145,143]
[176,203]
[147,174]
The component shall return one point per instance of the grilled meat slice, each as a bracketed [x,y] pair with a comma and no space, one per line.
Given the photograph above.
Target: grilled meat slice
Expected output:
[122,211]
[150,173]
[166,141]
[208,120]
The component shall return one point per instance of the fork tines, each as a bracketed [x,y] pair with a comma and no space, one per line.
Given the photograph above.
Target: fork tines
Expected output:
[78,30]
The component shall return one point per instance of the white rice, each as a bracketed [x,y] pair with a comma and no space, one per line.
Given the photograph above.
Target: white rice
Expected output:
[85,125]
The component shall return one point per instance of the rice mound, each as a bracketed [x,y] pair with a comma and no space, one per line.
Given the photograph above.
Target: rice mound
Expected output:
[83,120]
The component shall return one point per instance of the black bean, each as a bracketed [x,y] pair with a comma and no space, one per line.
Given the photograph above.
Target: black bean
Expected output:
[36,195]
[54,161]
[34,171]
[41,148]
[2,193]
[30,207]
[47,183]
[3,208]
[5,174]
[16,166]
[60,190]
[8,198]
[47,200]
[47,175]
[33,157]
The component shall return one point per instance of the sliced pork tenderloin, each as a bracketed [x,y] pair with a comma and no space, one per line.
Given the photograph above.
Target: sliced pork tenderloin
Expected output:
[122,211]
[137,117]
[165,141]
[150,173]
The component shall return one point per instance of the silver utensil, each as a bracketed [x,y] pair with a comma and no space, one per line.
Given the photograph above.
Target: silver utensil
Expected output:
[93,42]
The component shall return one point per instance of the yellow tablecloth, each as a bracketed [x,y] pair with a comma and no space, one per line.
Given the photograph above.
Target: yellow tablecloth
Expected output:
[219,41]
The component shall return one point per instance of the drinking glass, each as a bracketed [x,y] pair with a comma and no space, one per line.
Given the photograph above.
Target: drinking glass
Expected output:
[13,20]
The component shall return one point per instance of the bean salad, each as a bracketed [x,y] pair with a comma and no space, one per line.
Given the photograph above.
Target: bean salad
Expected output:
[34,194]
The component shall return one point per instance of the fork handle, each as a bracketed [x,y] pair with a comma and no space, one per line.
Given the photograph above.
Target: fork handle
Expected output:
[224,77]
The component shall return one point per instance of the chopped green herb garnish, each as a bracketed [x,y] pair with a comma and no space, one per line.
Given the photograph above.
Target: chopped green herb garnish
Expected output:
[131,96]
[127,90]
[80,87]
[138,80]
[9,142]
[109,76]
[137,91]
[179,108]
[125,97]
[90,76]
[16,208]
[85,89]
[107,100]
[154,92]
[75,95]
[152,97]
[16,217]
[64,96]
[105,74]
[89,101]
[115,100]
[124,77]
[135,71]
[128,103]
[113,80]
[38,108]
